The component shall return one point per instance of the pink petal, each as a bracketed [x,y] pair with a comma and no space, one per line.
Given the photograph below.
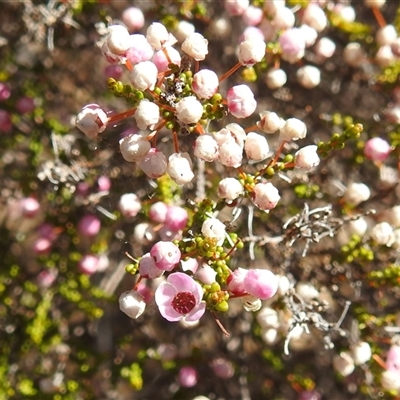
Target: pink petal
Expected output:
[169,313]
[182,282]
[196,313]
[261,283]
[164,294]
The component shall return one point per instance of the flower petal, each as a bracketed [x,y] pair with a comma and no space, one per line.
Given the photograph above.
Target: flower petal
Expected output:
[169,313]
[196,313]
[164,294]
[182,282]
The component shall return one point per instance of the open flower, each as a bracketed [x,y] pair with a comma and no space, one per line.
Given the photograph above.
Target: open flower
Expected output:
[180,297]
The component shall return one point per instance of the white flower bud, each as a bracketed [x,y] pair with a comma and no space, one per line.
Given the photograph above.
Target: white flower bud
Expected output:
[158,36]
[384,56]
[195,46]
[144,75]
[275,78]
[270,335]
[266,196]
[307,291]
[361,353]
[129,205]
[144,233]
[183,30]
[357,227]
[307,157]
[382,234]
[251,51]
[205,83]
[147,114]
[325,47]
[386,35]
[390,380]
[154,164]
[283,18]
[214,228]
[118,39]
[347,13]
[315,17]
[374,3]
[268,318]
[394,216]
[293,129]
[270,122]
[309,34]
[272,6]
[343,363]
[308,76]
[230,189]
[256,146]
[230,154]
[180,168]
[189,110]
[206,148]
[134,148]
[354,54]
[92,120]
[356,193]
[132,304]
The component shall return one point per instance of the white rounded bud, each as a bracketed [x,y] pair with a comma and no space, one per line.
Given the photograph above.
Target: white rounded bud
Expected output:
[386,35]
[230,189]
[390,380]
[180,168]
[356,193]
[361,353]
[307,157]
[308,76]
[129,205]
[343,363]
[283,19]
[92,120]
[189,110]
[158,36]
[195,46]
[270,122]
[325,47]
[315,17]
[374,3]
[183,30]
[275,78]
[118,39]
[134,148]
[132,304]
[251,51]
[256,146]
[214,228]
[205,83]
[147,114]
[294,129]
[230,154]
[382,234]
[144,75]
[265,196]
[154,164]
[206,148]
[354,54]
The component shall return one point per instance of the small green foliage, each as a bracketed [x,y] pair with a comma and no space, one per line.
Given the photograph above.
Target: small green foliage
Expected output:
[134,375]
[305,191]
[389,275]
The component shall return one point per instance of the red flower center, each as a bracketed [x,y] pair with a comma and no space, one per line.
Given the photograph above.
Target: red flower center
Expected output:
[183,302]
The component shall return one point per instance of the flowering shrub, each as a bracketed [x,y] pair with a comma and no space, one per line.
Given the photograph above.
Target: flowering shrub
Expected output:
[230,180]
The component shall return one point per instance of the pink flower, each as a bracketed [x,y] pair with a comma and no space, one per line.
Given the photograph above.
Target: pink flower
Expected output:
[187,377]
[89,225]
[180,297]
[89,264]
[241,101]
[377,149]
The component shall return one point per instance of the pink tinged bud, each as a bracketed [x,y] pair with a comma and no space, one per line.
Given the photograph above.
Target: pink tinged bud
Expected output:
[354,55]
[158,36]
[205,83]
[109,56]
[270,122]
[309,395]
[132,304]
[147,114]
[5,121]
[230,154]
[260,283]
[256,147]
[265,196]
[206,274]
[148,268]
[89,264]
[189,110]
[176,218]
[89,225]
[252,33]
[47,231]
[310,34]
[393,359]
[139,50]
[235,282]
[377,149]
[158,212]
[134,148]
[47,277]
[165,255]
[180,168]
[25,105]
[143,233]
[42,245]
[118,39]
[180,297]
[315,17]
[308,76]
[307,157]
[252,16]
[195,46]
[292,44]
[187,377]
[251,51]
[283,19]
[129,205]
[144,75]
[29,207]
[191,264]
[5,91]
[206,148]
[92,120]
[241,101]
[162,62]
[104,183]
[236,7]
[133,18]
[230,189]
[222,368]
[214,228]
[294,129]
[154,164]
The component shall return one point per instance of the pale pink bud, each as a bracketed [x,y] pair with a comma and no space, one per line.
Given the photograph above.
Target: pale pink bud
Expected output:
[206,148]
[133,18]
[356,193]
[158,36]
[231,131]
[384,56]
[42,245]
[265,196]
[5,91]
[183,30]
[109,56]
[205,83]
[158,212]
[25,105]
[143,233]
[134,148]
[30,207]
[214,228]
[230,189]
[377,149]
[252,16]
[230,154]
[236,7]
[161,60]
[132,304]
[148,268]
[354,54]
[118,40]
[89,225]
[307,157]
[310,34]
[176,218]
[144,75]
[129,205]
[195,46]
[139,50]
[315,17]
[154,164]
[251,51]
[104,183]
[260,283]
[325,47]
[294,129]
[165,255]
[189,110]
[187,377]
[180,168]
[92,120]
[89,264]
[241,101]
[205,274]
[292,43]
[252,33]
[256,146]
[270,122]
[393,359]
[147,114]
[386,35]
[283,18]
[308,76]
[235,281]
[222,368]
